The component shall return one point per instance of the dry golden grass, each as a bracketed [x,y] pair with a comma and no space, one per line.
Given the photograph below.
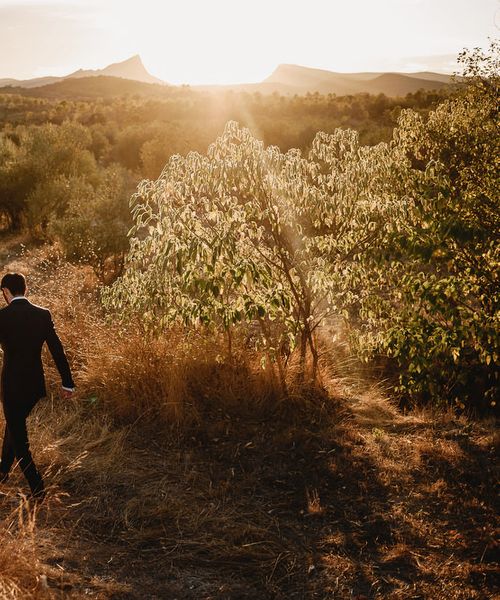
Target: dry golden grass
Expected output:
[176,473]
[20,568]
[172,379]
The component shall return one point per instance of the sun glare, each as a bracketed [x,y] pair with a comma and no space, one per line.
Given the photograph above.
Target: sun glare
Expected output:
[231,41]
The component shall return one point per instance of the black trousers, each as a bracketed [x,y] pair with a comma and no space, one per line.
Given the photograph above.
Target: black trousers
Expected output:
[16,444]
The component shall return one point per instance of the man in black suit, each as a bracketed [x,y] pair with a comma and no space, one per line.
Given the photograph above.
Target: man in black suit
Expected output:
[24,328]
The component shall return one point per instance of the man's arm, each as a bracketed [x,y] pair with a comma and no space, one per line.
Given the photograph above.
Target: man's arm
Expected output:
[57,351]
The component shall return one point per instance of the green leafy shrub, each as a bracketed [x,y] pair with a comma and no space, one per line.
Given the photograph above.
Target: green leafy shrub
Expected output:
[94,227]
[437,310]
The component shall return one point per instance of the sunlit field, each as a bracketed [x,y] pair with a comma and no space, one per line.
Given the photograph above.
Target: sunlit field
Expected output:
[281,313]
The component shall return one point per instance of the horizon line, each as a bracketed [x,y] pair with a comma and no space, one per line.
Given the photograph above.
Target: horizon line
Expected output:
[403,71]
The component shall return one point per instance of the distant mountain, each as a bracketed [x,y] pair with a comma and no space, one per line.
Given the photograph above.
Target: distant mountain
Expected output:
[433,76]
[305,79]
[285,80]
[399,84]
[29,83]
[132,69]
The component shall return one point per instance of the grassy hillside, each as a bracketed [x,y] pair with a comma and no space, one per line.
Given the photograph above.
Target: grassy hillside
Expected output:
[175,474]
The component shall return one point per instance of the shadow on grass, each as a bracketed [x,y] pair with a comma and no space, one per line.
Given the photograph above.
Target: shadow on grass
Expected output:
[293,505]
[275,507]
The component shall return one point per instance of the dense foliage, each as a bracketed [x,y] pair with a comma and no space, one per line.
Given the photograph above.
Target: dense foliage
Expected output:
[52,184]
[141,133]
[387,219]
[440,318]
[55,153]
[401,238]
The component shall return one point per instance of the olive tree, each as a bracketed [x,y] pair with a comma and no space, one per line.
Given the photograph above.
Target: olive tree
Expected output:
[93,229]
[248,234]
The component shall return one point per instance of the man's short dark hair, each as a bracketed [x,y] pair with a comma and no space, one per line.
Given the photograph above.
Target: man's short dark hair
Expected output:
[15,283]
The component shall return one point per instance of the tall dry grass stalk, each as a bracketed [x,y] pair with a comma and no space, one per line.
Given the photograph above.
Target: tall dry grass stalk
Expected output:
[179,377]
[21,572]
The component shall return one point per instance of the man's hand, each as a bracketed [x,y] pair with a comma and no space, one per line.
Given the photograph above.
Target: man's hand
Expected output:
[67,394]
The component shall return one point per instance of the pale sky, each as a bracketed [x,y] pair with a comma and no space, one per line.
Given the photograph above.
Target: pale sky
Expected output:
[234,41]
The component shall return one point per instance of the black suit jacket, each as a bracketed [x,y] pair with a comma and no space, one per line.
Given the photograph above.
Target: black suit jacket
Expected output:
[24,328]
